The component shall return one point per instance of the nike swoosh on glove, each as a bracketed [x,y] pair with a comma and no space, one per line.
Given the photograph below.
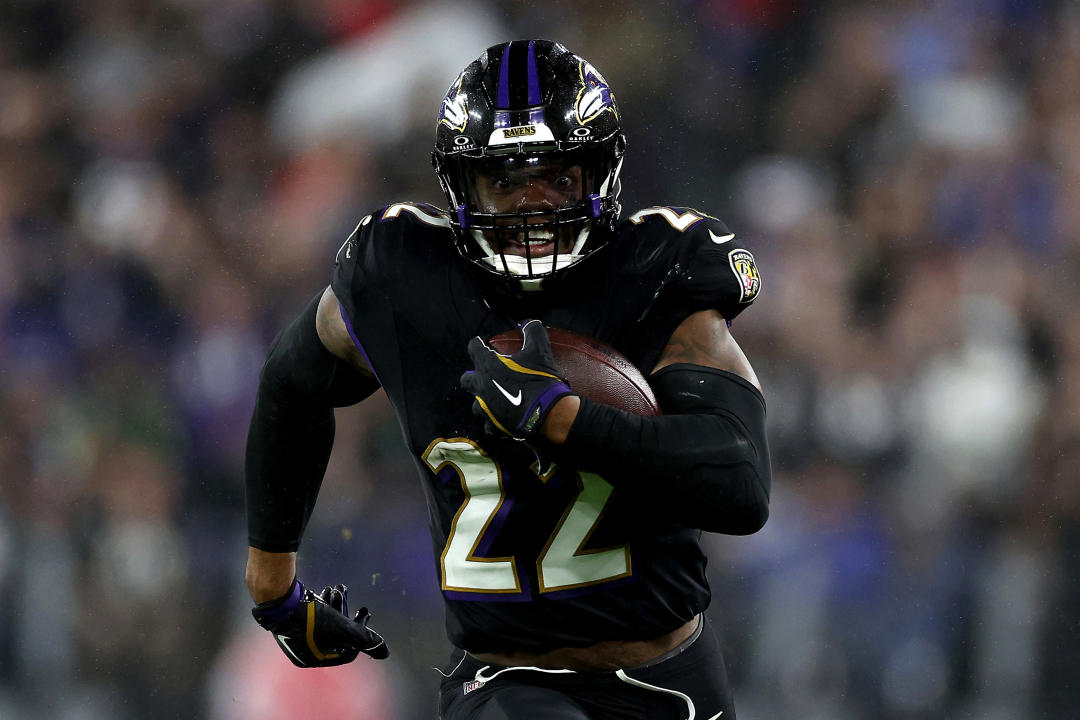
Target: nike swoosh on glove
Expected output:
[316,631]
[515,392]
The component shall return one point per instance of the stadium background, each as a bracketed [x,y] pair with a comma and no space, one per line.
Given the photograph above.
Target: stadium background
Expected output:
[175,176]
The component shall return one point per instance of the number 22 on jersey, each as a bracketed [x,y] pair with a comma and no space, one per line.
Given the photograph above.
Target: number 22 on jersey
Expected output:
[563,564]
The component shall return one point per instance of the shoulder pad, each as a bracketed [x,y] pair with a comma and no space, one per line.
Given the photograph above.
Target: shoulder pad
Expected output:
[712,268]
[386,244]
[392,217]
[398,221]
[679,219]
[417,213]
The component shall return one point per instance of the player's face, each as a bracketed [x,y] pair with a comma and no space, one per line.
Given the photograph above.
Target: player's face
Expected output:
[531,185]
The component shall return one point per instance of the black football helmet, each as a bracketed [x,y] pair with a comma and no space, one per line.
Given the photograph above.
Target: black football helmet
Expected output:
[521,107]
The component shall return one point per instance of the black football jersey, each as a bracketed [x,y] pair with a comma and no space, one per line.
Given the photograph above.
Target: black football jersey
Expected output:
[533,556]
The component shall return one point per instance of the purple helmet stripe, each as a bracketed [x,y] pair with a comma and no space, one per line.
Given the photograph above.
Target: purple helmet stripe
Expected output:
[534,81]
[503,96]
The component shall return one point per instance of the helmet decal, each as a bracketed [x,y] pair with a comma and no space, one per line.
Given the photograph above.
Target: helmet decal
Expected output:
[519,84]
[455,114]
[595,95]
[537,132]
[534,81]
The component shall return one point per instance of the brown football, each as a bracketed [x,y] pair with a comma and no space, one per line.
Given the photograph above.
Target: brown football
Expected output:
[593,369]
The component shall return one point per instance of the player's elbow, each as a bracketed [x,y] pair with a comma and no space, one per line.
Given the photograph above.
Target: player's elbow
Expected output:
[751,512]
[733,497]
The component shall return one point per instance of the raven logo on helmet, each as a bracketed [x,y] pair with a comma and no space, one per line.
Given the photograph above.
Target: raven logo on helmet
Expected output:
[455,113]
[595,95]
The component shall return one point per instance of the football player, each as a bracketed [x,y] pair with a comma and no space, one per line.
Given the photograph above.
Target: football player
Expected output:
[566,532]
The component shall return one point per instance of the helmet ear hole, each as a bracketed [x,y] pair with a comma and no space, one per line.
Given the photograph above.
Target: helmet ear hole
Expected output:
[529,101]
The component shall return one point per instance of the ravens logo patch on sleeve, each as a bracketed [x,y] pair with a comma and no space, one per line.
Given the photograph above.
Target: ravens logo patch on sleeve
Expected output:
[746,272]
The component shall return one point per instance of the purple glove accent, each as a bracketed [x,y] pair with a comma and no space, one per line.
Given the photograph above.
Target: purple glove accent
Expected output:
[539,409]
[514,401]
[462,221]
[269,614]
[549,397]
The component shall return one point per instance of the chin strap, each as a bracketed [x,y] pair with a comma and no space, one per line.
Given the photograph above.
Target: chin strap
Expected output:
[520,266]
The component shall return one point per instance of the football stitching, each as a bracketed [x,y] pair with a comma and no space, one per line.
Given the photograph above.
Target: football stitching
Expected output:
[650,401]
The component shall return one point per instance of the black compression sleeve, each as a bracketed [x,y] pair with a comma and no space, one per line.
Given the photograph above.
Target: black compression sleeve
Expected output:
[707,457]
[292,431]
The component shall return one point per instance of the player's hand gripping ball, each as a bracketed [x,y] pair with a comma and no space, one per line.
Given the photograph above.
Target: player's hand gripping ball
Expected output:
[515,392]
[316,630]
[593,369]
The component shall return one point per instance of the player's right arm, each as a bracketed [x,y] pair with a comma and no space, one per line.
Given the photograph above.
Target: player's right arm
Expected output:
[334,334]
[271,572]
[312,368]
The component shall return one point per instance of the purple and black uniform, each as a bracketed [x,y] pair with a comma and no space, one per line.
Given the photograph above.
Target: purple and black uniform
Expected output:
[533,557]
[536,546]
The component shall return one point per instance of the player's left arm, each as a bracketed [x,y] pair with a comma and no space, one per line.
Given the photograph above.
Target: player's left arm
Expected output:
[707,455]
[704,463]
[705,460]
[704,339]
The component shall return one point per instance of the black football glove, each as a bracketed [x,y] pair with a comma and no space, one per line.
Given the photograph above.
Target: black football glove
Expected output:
[315,630]
[515,392]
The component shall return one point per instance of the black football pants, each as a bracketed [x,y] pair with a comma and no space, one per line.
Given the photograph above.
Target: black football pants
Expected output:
[690,681]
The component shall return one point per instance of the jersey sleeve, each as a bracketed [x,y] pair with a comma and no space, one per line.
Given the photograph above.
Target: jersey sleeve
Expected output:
[353,266]
[376,261]
[378,252]
[710,267]
[715,270]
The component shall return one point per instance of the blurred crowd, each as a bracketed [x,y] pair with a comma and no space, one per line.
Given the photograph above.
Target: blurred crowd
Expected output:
[176,175]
